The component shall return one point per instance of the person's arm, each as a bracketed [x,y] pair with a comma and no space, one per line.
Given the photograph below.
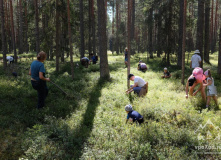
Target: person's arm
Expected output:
[131,88]
[41,76]
[187,89]
[208,83]
[29,71]
[126,121]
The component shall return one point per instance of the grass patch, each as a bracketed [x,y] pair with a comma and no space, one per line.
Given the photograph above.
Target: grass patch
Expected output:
[92,124]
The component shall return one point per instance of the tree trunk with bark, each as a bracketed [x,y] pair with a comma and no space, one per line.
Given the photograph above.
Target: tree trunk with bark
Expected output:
[184,41]
[128,39]
[104,68]
[4,47]
[12,31]
[21,27]
[82,48]
[180,41]
[58,31]
[219,57]
[150,32]
[200,28]
[70,40]
[37,27]
[206,40]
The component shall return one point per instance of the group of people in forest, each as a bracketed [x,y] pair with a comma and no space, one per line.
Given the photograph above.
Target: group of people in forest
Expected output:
[205,80]
[140,86]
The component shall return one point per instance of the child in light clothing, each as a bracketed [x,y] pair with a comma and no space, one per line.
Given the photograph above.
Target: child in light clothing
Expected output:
[210,82]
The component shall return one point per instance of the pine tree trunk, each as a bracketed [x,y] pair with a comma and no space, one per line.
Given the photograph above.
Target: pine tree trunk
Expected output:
[104,68]
[26,29]
[150,33]
[211,28]
[206,40]
[12,31]
[159,34]
[58,30]
[4,47]
[219,57]
[117,27]
[184,41]
[37,28]
[70,40]
[93,27]
[180,41]
[128,40]
[200,28]
[82,48]
[21,27]
[89,28]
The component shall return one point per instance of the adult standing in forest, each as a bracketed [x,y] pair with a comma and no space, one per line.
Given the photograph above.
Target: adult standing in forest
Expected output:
[126,56]
[38,80]
[195,60]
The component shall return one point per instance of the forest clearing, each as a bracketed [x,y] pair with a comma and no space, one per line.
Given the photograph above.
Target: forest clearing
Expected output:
[110,79]
[91,124]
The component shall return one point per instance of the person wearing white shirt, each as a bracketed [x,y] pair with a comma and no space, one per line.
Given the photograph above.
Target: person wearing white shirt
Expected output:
[10,59]
[195,60]
[140,87]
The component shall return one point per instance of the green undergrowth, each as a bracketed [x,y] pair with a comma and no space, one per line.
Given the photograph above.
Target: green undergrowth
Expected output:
[89,122]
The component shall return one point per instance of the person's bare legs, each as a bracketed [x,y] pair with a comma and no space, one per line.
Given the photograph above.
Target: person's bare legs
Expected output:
[208,101]
[203,94]
[215,99]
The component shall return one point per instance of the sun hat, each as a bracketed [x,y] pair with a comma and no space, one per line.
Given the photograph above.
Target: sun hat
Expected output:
[129,76]
[128,108]
[197,51]
[165,68]
[140,60]
[126,48]
[206,73]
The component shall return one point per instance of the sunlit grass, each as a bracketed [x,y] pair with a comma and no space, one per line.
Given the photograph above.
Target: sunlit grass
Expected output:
[92,124]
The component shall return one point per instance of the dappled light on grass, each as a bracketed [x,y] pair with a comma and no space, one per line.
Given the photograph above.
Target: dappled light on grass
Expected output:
[91,125]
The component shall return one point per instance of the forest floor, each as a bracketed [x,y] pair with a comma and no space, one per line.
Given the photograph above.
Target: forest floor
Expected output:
[89,123]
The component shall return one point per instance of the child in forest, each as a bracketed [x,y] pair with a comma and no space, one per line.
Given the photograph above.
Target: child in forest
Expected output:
[211,88]
[166,73]
[133,116]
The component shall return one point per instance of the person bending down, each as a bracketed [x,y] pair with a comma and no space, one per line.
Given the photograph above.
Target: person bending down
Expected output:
[140,87]
[85,62]
[133,116]
[142,66]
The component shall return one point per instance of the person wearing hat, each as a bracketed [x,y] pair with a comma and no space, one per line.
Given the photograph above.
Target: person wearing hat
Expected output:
[196,78]
[133,116]
[166,73]
[140,87]
[195,60]
[142,66]
[126,56]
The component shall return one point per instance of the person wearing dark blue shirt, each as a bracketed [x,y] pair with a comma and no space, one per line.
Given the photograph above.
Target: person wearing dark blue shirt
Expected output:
[38,80]
[133,116]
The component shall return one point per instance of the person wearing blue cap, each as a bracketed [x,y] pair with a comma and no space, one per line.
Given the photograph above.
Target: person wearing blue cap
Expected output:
[133,116]
[140,87]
